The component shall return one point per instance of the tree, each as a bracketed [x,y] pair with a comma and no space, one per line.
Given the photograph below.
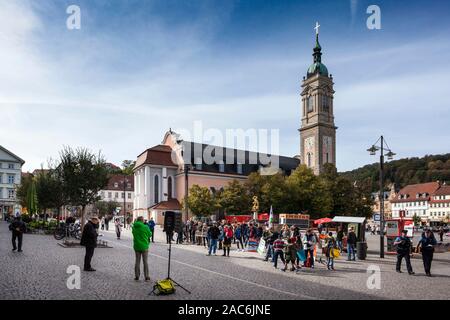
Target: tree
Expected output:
[200,201]
[271,190]
[49,190]
[83,175]
[235,198]
[417,220]
[32,200]
[22,190]
[106,207]
[128,166]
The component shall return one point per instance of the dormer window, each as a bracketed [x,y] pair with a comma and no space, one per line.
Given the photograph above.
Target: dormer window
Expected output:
[116,185]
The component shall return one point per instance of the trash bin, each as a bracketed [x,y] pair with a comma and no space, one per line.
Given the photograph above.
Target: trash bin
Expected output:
[361,250]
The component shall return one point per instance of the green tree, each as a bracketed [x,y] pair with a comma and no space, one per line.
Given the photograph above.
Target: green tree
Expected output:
[200,201]
[271,190]
[105,208]
[83,175]
[22,190]
[32,200]
[416,219]
[235,199]
[128,166]
[49,189]
[308,193]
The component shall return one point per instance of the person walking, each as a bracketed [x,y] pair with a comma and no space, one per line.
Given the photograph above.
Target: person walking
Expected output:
[107,219]
[441,234]
[270,238]
[151,225]
[278,247]
[180,233]
[330,246]
[141,243]
[404,245]
[340,238]
[351,245]
[426,245]
[213,235]
[118,227]
[18,228]
[309,244]
[228,237]
[89,241]
[103,223]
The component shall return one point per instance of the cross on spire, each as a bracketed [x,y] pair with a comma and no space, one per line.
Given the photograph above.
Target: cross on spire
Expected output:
[317,27]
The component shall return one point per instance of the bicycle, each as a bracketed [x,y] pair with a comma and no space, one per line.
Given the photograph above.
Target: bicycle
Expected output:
[71,230]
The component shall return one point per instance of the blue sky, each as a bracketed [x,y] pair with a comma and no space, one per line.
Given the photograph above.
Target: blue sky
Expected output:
[137,68]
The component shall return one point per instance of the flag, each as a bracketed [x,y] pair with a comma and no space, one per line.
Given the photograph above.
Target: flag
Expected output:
[271,218]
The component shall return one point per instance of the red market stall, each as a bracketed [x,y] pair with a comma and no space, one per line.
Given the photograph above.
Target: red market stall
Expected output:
[238,218]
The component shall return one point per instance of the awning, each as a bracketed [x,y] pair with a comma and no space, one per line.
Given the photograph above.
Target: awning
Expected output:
[344,219]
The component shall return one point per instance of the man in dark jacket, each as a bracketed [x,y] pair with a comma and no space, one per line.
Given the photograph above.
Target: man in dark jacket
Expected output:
[213,235]
[89,240]
[18,228]
[351,245]
[404,245]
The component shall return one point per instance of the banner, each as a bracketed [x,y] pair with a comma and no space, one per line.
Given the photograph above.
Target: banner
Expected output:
[262,247]
[252,245]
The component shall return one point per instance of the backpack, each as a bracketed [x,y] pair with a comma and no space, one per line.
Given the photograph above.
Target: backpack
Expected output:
[164,287]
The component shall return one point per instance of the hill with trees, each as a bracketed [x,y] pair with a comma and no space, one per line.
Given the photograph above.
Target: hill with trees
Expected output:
[404,171]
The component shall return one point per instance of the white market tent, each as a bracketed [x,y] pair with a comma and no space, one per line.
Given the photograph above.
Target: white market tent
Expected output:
[344,219]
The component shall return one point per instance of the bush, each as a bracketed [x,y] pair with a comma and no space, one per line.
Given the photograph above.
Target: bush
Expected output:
[26,218]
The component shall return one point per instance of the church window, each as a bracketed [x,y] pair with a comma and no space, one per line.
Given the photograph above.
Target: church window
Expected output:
[327,156]
[310,104]
[156,190]
[325,105]
[169,187]
[309,159]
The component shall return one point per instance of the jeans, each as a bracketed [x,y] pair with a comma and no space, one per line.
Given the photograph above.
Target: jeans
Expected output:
[330,263]
[88,257]
[351,252]
[212,246]
[339,244]
[427,257]
[153,235]
[18,236]
[277,254]
[400,256]
[269,252]
[137,265]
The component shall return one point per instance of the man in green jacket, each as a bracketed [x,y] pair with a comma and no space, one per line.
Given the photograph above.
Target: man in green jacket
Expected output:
[141,243]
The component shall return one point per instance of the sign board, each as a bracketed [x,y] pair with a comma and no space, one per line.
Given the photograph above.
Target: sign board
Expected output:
[376,217]
[252,245]
[409,226]
[392,228]
[300,220]
[262,247]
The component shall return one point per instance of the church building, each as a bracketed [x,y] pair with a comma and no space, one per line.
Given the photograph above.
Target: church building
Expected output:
[164,173]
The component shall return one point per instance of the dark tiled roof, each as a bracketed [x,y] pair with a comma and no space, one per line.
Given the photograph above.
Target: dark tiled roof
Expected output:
[171,204]
[158,155]
[411,192]
[115,182]
[442,191]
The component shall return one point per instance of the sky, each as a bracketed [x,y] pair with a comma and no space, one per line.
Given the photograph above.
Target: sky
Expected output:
[137,68]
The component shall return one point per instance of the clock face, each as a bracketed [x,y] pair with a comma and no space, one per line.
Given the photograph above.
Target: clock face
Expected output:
[309,145]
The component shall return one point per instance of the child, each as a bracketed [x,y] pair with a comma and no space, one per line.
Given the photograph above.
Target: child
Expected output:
[330,245]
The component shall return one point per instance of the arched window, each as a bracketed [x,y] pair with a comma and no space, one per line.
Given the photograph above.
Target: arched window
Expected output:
[310,104]
[309,160]
[156,189]
[169,187]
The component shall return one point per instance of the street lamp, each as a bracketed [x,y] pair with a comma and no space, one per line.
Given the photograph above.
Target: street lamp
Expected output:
[124,182]
[373,150]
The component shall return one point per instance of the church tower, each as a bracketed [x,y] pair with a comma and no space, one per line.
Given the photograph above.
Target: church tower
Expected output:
[317,132]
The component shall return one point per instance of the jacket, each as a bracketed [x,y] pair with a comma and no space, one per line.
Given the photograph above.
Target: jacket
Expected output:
[18,224]
[89,236]
[141,236]
[309,241]
[151,225]
[427,244]
[351,238]
[213,233]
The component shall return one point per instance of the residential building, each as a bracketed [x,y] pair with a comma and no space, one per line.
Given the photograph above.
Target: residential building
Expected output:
[114,191]
[439,211]
[388,197]
[10,178]
[415,201]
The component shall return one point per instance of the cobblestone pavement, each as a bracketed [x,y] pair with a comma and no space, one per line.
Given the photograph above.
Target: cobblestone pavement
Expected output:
[40,273]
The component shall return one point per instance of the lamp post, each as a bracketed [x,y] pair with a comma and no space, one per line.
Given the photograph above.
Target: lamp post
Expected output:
[124,182]
[383,146]
[186,191]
